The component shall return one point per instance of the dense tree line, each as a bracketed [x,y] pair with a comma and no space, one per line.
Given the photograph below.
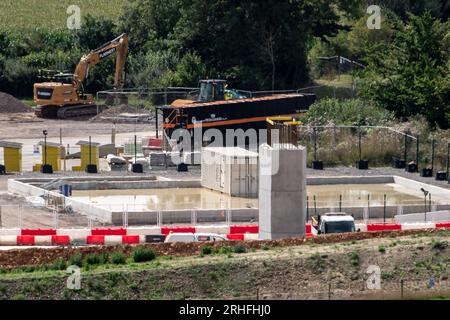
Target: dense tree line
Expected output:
[255,45]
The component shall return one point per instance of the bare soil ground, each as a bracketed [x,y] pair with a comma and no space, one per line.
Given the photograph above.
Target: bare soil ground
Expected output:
[27,125]
[287,269]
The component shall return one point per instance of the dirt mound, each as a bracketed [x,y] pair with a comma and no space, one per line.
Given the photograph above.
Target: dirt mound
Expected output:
[9,104]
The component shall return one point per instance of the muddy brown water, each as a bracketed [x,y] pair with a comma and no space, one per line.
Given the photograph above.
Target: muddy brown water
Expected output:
[358,195]
[164,199]
[201,198]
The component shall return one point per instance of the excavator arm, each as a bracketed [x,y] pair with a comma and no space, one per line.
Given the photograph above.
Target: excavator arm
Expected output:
[118,46]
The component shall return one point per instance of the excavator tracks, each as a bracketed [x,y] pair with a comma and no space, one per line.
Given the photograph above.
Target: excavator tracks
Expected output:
[69,112]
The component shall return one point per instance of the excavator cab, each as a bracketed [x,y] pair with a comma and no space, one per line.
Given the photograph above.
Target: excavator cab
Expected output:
[212,90]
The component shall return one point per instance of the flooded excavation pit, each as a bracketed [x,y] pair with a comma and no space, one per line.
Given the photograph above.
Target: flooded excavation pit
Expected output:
[360,195]
[374,197]
[163,199]
[159,200]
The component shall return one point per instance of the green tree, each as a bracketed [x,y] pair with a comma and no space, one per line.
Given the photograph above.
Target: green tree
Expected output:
[411,76]
[437,8]
[253,44]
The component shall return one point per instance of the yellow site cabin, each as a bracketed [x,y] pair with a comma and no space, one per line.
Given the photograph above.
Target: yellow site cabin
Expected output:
[87,157]
[12,156]
[53,154]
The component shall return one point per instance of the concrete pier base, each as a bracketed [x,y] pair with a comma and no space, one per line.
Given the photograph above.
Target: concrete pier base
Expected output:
[282,191]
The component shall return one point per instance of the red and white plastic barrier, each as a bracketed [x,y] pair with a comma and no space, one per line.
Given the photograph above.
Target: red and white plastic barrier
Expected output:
[114,236]
[117,236]
[35,240]
[405,226]
[114,240]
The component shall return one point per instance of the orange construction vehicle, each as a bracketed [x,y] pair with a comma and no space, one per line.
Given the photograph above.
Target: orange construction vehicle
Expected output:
[65,97]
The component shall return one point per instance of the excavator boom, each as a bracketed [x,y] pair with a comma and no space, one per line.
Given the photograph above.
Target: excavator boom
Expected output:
[62,100]
[119,46]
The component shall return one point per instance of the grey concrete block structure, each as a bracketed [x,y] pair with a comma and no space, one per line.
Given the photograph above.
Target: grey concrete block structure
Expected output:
[282,191]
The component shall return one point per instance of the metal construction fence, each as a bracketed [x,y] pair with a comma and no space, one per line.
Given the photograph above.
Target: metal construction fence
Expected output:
[344,145]
[53,210]
[54,213]
[405,288]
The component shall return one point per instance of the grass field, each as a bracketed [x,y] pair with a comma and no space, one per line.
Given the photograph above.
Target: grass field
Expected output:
[311,270]
[26,14]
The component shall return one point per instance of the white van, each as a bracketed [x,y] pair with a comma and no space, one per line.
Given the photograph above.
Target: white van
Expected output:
[194,237]
[334,222]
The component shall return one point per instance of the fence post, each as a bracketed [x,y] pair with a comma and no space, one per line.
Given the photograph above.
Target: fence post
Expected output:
[55,217]
[125,217]
[193,217]
[359,144]
[340,203]
[448,160]
[156,123]
[401,289]
[384,209]
[429,202]
[315,206]
[113,134]
[417,153]
[159,219]
[307,210]
[400,209]
[19,216]
[433,143]
[366,215]
[406,148]
[329,291]
[315,144]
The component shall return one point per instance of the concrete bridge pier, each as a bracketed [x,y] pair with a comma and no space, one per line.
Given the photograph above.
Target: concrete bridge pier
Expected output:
[282,191]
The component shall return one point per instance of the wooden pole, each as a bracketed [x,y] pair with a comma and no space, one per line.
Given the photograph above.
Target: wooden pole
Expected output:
[401,289]
[329,291]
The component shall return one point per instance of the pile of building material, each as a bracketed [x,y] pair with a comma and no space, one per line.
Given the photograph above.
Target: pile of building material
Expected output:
[161,159]
[116,162]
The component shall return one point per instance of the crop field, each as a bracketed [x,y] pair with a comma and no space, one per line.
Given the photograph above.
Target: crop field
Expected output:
[25,14]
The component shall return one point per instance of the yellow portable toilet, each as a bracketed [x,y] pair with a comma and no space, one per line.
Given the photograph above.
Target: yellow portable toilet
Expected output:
[89,155]
[52,156]
[12,156]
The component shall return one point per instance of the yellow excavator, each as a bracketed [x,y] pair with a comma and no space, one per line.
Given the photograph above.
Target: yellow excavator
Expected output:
[65,97]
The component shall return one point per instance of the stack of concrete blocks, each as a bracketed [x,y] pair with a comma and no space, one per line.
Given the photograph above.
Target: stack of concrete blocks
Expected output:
[282,191]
